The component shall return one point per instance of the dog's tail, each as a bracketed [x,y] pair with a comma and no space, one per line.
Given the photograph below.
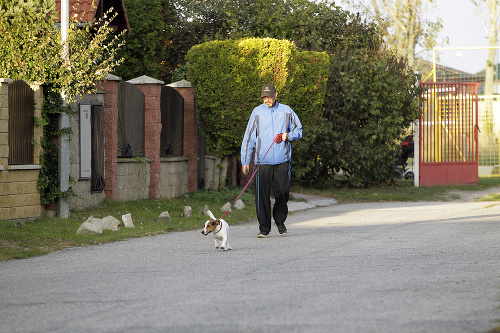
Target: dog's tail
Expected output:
[211,215]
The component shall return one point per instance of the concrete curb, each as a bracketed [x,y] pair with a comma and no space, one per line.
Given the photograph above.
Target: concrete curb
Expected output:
[311,202]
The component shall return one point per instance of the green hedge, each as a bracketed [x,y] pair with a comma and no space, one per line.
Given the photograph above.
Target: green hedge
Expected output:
[227,77]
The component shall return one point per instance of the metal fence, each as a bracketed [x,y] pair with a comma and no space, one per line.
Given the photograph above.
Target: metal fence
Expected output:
[469,65]
[448,134]
[21,123]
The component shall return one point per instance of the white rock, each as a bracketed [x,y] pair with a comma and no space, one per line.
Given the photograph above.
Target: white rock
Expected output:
[164,216]
[127,221]
[186,211]
[90,228]
[239,204]
[205,210]
[226,207]
[110,223]
[94,220]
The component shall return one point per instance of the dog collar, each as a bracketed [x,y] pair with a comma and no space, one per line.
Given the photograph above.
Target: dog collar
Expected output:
[220,227]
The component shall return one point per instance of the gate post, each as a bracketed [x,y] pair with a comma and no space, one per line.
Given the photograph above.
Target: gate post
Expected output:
[416,154]
[110,87]
[151,88]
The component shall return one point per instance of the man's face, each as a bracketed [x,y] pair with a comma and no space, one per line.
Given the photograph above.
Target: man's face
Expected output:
[269,101]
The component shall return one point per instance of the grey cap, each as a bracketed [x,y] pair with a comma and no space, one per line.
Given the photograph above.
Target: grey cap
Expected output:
[268,90]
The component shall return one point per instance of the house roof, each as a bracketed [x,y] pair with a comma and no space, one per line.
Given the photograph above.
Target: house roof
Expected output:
[84,11]
[443,73]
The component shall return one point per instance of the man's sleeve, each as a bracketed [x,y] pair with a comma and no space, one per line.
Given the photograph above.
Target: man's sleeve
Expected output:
[295,127]
[248,143]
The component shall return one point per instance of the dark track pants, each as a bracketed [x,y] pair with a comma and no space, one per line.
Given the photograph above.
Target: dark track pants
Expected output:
[277,178]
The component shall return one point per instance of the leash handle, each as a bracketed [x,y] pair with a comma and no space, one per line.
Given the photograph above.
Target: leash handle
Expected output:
[253,174]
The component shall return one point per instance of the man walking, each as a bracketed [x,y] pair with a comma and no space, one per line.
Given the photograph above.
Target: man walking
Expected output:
[271,122]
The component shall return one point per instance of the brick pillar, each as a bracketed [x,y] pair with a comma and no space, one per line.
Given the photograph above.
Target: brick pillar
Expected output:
[190,149]
[151,88]
[110,87]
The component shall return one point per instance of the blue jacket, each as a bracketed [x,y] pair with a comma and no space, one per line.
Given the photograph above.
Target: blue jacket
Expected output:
[263,126]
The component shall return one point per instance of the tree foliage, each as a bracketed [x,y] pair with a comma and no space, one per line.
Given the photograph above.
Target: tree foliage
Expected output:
[148,45]
[31,50]
[311,25]
[371,101]
[29,47]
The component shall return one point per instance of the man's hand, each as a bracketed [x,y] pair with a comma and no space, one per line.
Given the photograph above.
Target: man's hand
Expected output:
[281,137]
[244,169]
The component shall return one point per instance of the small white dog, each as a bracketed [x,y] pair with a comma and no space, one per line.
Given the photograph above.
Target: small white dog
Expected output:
[220,231]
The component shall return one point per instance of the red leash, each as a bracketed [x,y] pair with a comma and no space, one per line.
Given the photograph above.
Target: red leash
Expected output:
[253,174]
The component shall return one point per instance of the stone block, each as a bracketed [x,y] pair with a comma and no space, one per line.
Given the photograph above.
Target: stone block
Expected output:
[205,210]
[226,207]
[4,111]
[127,221]
[239,204]
[164,217]
[20,200]
[10,213]
[186,211]
[110,223]
[90,226]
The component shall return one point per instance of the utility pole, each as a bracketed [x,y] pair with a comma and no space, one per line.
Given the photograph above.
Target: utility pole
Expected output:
[64,161]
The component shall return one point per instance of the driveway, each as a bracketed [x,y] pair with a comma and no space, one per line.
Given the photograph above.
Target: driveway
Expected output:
[377,267]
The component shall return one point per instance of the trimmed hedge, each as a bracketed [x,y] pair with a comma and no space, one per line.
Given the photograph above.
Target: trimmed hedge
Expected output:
[227,77]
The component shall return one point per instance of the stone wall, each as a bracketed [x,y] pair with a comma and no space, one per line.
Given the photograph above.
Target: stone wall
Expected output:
[133,179]
[125,179]
[19,196]
[173,177]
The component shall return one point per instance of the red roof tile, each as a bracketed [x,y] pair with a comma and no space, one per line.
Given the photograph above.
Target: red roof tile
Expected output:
[83,9]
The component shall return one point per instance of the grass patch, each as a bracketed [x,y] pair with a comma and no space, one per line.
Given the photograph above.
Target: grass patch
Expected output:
[491,197]
[24,239]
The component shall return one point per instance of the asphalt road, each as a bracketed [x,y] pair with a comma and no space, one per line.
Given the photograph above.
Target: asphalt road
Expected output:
[380,267]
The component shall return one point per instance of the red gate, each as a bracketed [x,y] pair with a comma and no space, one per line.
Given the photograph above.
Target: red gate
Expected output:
[448,132]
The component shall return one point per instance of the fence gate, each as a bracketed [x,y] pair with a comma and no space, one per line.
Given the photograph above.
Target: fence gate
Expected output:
[448,134]
[172,122]
[130,120]
[21,122]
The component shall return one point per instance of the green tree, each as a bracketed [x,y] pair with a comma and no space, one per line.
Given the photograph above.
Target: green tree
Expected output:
[161,35]
[371,100]
[30,50]
[146,46]
[301,21]
[29,43]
